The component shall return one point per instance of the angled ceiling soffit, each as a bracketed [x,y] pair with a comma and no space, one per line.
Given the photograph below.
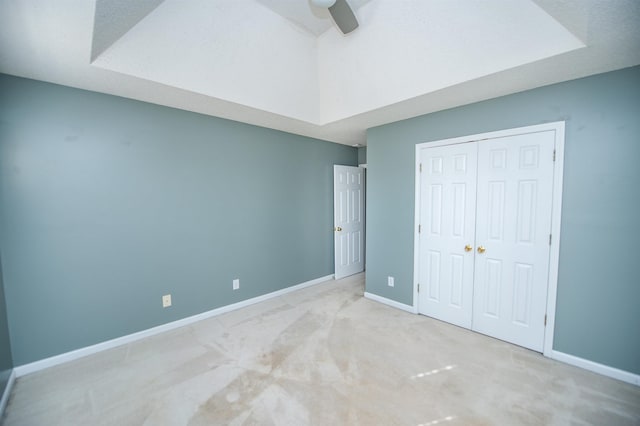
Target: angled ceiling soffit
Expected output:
[114,18]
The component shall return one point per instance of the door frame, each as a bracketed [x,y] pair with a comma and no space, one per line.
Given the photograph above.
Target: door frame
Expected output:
[556,213]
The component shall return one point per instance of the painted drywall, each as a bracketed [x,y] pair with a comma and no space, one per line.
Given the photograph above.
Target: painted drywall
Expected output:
[597,307]
[395,65]
[110,203]
[113,18]
[362,155]
[192,48]
[6,361]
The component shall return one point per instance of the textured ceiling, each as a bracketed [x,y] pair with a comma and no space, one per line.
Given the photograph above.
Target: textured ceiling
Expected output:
[304,14]
[282,63]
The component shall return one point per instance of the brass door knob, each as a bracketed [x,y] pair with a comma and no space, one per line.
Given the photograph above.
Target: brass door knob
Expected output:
[468,248]
[337,229]
[481,249]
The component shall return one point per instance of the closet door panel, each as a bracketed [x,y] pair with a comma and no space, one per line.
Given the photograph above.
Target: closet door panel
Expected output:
[513,222]
[448,191]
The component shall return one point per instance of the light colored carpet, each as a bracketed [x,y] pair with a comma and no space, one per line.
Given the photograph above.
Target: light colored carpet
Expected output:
[323,356]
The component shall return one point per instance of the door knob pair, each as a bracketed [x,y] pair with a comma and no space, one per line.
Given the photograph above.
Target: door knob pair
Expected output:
[337,228]
[481,249]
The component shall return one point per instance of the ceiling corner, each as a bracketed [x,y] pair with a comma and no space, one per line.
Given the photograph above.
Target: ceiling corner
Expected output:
[113,18]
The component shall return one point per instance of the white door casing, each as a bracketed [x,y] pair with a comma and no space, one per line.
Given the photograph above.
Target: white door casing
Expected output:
[348,212]
[447,206]
[519,193]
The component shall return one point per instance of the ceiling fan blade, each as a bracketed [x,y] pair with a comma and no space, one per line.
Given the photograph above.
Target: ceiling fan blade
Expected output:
[343,16]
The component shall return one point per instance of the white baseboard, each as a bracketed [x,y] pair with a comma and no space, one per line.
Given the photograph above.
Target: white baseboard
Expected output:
[119,341]
[595,367]
[390,302]
[7,392]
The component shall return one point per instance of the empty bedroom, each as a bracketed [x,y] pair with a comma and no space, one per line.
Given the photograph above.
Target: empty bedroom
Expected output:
[319,212]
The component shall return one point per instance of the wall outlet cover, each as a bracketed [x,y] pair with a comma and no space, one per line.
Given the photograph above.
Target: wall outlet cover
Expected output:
[236,284]
[391,281]
[166,300]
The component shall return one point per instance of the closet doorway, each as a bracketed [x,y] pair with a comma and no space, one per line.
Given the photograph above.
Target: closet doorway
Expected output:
[487,211]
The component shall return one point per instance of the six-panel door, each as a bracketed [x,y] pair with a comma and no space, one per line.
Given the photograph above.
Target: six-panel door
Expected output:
[448,183]
[513,224]
[348,206]
[499,288]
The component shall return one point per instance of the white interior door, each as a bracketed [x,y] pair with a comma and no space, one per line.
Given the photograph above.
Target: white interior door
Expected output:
[485,227]
[513,226]
[348,211]
[448,204]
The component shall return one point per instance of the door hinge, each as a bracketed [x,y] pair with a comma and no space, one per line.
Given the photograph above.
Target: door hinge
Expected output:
[419,229]
[420,167]
[549,239]
[545,320]
[418,287]
[554,155]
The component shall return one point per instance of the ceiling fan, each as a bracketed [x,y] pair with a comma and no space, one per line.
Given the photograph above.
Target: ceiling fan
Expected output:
[341,13]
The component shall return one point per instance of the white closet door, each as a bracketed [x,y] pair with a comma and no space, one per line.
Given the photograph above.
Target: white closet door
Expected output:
[448,198]
[513,223]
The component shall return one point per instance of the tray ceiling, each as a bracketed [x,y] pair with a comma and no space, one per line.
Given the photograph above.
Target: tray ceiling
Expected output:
[282,63]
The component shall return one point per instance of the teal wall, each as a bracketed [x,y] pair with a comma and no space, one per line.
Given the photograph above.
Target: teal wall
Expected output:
[597,315]
[362,155]
[6,361]
[110,203]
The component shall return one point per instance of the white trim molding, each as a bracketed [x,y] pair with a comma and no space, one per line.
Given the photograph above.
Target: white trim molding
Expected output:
[7,392]
[119,341]
[595,367]
[585,364]
[390,302]
[554,250]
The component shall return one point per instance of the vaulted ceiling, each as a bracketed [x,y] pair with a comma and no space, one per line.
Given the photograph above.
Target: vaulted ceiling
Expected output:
[283,64]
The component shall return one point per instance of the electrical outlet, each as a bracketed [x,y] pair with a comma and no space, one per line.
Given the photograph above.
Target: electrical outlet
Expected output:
[390,281]
[236,284]
[166,300]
